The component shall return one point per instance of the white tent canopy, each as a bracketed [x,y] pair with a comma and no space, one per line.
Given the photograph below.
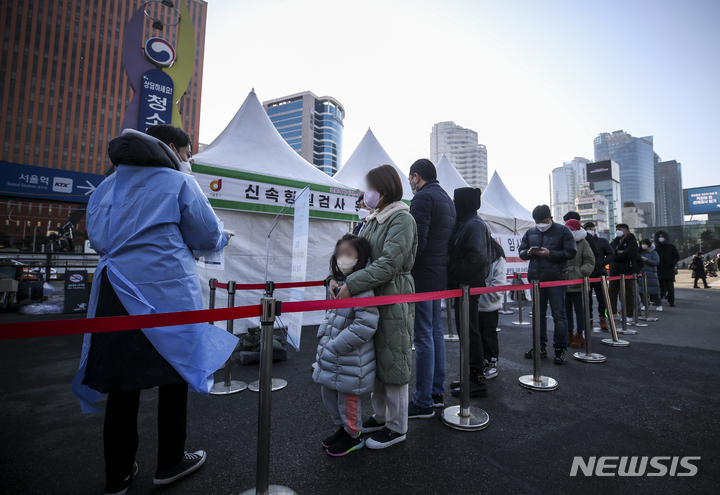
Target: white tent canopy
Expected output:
[368,155]
[247,173]
[502,210]
[448,176]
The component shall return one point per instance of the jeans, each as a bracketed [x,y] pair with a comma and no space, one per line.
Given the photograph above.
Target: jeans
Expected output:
[667,288]
[429,352]
[488,333]
[602,307]
[556,297]
[477,352]
[629,302]
[121,434]
[574,304]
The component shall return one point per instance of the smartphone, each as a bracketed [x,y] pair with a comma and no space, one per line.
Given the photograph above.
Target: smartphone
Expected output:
[535,248]
[336,291]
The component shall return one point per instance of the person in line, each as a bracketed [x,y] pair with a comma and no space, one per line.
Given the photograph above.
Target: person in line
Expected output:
[346,352]
[625,262]
[698,270]
[144,221]
[582,265]
[177,140]
[469,263]
[650,261]
[434,214]
[549,246]
[574,215]
[488,313]
[363,213]
[604,257]
[667,268]
[392,234]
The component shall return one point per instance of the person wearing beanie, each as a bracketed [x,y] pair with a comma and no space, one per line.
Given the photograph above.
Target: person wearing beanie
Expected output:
[604,257]
[549,247]
[469,255]
[582,265]
[574,215]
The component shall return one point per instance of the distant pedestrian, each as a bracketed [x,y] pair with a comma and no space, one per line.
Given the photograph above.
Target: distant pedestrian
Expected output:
[667,268]
[604,257]
[580,266]
[698,270]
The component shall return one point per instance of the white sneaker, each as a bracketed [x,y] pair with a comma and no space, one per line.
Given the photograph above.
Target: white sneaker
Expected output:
[642,308]
[659,308]
[628,319]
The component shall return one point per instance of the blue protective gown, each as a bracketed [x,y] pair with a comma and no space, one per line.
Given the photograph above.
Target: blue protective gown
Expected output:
[145,222]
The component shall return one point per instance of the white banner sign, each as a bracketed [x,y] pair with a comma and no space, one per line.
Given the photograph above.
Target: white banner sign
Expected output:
[511,244]
[299,263]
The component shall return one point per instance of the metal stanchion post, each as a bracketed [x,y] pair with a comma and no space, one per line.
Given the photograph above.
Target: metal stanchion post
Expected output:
[588,356]
[229,386]
[505,310]
[465,417]
[276,383]
[636,299]
[646,300]
[623,311]
[451,336]
[536,381]
[267,322]
[518,297]
[614,341]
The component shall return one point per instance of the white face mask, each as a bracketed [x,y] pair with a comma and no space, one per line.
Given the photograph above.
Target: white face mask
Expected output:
[579,235]
[185,168]
[590,232]
[661,239]
[363,214]
[543,226]
[346,265]
[619,233]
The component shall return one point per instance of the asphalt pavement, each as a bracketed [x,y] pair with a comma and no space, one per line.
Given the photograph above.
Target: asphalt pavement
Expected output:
[658,397]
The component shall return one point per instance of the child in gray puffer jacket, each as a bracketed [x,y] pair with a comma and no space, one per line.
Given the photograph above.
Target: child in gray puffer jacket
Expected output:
[346,352]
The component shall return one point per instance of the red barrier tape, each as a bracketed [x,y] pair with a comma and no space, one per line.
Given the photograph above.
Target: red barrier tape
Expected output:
[120,323]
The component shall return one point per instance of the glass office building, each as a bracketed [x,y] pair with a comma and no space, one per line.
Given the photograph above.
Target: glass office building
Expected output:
[603,180]
[312,126]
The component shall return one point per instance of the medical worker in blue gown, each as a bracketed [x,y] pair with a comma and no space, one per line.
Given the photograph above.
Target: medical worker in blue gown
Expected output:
[145,220]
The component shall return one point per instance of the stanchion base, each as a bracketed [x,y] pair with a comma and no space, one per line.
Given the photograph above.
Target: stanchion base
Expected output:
[277,384]
[477,420]
[521,323]
[648,318]
[501,312]
[272,490]
[451,338]
[545,384]
[638,324]
[597,329]
[589,358]
[627,332]
[222,389]
[612,343]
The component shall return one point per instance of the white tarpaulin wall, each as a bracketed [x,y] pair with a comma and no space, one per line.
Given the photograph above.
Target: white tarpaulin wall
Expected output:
[448,176]
[368,155]
[247,173]
[502,211]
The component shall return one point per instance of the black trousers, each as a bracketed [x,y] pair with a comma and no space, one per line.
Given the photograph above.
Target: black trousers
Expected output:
[596,287]
[703,277]
[121,435]
[628,303]
[488,333]
[477,354]
[667,288]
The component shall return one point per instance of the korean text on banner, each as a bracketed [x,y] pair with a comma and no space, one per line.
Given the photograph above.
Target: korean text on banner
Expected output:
[301,229]
[511,245]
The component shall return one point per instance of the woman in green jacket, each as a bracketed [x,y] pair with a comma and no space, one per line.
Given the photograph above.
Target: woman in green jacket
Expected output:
[392,233]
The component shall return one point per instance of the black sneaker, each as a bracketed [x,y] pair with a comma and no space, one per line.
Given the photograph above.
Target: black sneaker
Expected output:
[455,384]
[384,439]
[438,400]
[417,412]
[333,438]
[543,353]
[372,424]
[672,305]
[477,389]
[560,356]
[122,488]
[191,462]
[345,445]
[491,370]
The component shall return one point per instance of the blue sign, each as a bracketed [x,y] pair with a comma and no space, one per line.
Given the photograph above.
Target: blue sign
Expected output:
[703,200]
[52,184]
[156,100]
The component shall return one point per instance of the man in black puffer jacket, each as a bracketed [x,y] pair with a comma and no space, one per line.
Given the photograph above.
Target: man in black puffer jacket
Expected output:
[549,246]
[627,257]
[604,257]
[468,263]
[434,214]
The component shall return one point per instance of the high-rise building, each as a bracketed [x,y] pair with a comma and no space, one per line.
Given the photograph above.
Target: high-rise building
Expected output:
[565,183]
[593,208]
[62,83]
[668,194]
[635,156]
[604,179]
[461,147]
[633,215]
[312,126]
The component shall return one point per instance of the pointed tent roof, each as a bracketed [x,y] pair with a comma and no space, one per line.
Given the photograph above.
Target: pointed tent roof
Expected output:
[250,143]
[448,176]
[368,155]
[498,196]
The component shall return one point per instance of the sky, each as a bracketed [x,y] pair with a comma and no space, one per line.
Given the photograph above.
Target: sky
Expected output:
[538,80]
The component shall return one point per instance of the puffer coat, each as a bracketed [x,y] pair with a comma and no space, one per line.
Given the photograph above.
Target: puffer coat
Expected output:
[559,241]
[346,351]
[392,234]
[649,270]
[582,265]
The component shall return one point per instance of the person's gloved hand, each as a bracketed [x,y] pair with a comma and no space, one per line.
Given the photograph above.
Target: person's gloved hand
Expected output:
[229,234]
